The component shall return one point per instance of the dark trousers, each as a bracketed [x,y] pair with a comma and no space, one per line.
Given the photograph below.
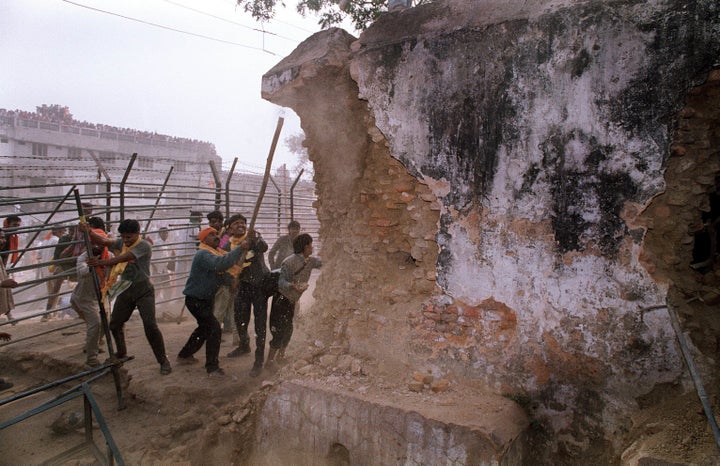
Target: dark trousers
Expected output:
[281,321]
[207,332]
[249,296]
[142,296]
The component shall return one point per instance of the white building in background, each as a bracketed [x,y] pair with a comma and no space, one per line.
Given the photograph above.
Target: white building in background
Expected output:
[44,153]
[49,147]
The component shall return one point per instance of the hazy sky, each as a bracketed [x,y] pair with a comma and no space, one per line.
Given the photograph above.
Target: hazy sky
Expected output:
[125,73]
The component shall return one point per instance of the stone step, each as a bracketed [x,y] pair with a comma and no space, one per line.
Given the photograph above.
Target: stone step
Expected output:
[311,422]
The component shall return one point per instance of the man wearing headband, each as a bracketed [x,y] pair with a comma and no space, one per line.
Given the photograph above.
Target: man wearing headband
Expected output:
[206,270]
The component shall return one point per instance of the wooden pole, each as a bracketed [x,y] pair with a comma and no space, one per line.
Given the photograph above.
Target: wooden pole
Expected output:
[227,188]
[268,166]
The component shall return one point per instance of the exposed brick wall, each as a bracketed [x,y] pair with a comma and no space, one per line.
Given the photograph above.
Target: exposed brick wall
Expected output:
[463,332]
[378,221]
[386,258]
[674,217]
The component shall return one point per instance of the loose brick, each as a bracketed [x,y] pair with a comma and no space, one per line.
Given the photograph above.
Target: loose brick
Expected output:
[440,385]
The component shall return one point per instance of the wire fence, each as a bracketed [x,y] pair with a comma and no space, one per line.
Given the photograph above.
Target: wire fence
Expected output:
[176,202]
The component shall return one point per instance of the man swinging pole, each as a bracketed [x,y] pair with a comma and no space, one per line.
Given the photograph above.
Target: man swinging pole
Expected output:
[250,297]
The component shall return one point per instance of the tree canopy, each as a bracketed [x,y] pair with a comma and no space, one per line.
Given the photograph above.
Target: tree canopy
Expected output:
[294,144]
[330,12]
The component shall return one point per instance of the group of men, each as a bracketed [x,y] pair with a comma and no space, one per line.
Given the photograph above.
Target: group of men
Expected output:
[227,275]
[227,282]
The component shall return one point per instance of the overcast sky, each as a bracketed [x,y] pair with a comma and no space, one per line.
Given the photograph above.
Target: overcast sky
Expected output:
[126,73]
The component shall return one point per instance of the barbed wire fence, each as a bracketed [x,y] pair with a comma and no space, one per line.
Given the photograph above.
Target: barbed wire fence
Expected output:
[155,199]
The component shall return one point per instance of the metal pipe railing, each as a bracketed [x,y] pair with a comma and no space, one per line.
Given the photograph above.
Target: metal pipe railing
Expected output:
[292,194]
[690,363]
[123,183]
[29,243]
[218,185]
[108,183]
[157,201]
[227,188]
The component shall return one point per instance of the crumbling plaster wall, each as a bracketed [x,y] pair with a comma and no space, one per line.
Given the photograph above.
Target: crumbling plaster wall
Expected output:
[531,139]
[378,222]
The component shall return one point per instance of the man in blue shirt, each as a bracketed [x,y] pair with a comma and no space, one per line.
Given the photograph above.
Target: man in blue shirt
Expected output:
[206,271]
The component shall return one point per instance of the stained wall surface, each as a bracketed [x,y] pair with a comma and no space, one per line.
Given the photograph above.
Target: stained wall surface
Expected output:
[483,174]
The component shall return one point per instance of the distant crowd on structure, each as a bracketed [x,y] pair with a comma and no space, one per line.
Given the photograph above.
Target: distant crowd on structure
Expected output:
[227,279]
[61,115]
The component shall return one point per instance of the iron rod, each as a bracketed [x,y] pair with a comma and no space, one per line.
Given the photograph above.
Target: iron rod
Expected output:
[123,183]
[227,188]
[157,201]
[292,194]
[100,299]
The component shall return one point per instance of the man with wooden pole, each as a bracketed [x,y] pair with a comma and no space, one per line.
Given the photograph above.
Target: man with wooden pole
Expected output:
[250,293]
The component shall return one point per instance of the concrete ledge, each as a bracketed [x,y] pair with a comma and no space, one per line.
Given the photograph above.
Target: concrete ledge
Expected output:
[308,423]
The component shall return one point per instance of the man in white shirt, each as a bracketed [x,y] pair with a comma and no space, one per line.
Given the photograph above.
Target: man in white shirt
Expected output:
[163,265]
[53,284]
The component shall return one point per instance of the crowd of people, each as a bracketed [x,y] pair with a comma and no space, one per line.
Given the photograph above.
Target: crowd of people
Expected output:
[61,115]
[228,281]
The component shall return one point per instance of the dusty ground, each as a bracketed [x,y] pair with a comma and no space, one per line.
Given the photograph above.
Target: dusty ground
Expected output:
[181,418]
[676,431]
[167,419]
[186,417]
[161,412]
